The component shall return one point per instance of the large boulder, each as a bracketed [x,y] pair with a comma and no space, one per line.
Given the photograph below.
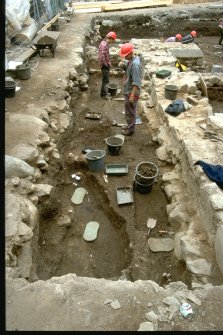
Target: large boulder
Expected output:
[15,167]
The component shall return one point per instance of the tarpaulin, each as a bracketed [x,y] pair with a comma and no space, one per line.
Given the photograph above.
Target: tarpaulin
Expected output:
[214,172]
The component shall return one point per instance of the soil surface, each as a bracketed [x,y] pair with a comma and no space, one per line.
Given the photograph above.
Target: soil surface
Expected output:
[122,237]
[121,247]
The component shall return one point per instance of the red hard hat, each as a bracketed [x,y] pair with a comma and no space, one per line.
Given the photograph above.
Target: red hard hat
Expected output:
[126,49]
[112,34]
[178,36]
[193,33]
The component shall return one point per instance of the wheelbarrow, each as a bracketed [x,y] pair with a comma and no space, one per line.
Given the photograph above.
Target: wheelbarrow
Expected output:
[45,40]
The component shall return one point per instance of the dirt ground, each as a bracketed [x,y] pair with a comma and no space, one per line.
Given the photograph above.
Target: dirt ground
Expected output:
[121,248]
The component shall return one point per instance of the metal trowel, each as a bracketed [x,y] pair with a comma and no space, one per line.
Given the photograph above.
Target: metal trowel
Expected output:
[151,223]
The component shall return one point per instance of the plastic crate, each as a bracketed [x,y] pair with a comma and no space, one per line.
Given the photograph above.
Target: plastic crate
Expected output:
[163,73]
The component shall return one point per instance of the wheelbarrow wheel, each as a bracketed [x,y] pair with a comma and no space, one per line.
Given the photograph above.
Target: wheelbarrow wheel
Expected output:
[53,51]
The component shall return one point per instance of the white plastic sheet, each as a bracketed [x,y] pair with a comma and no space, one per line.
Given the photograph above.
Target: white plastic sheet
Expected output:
[17,15]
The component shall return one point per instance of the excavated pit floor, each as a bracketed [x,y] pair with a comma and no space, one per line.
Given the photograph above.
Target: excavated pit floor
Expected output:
[121,248]
[121,243]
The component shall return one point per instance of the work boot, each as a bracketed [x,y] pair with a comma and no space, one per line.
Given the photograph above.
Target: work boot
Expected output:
[107,96]
[127,132]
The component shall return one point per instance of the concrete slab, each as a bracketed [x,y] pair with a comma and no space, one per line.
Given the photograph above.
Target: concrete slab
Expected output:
[190,53]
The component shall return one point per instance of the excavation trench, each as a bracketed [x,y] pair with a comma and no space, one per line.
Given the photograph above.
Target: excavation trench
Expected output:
[121,248]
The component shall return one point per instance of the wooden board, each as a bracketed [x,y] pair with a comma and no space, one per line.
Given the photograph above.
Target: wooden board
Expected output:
[120,5]
[136,4]
[93,4]
[25,55]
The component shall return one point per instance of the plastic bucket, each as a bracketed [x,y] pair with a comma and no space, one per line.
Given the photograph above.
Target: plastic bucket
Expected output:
[112,89]
[114,145]
[10,86]
[146,172]
[216,68]
[23,72]
[142,188]
[11,73]
[171,92]
[55,26]
[95,159]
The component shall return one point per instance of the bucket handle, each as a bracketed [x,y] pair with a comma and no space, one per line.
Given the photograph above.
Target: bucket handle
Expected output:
[26,64]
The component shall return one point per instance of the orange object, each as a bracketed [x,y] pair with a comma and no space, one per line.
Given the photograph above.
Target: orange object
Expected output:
[112,34]
[126,49]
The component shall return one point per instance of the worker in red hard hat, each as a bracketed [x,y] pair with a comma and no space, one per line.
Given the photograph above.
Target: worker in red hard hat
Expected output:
[220,29]
[132,85]
[105,62]
[189,38]
[176,38]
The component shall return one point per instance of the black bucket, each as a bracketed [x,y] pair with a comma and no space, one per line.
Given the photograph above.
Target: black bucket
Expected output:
[142,188]
[114,145]
[11,73]
[112,89]
[171,92]
[55,26]
[23,72]
[146,172]
[10,86]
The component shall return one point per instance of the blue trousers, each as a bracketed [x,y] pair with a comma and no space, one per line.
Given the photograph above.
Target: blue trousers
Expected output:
[130,113]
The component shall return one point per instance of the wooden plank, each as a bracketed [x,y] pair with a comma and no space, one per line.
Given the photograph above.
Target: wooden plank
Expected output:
[49,23]
[88,10]
[120,5]
[136,4]
[25,55]
[98,4]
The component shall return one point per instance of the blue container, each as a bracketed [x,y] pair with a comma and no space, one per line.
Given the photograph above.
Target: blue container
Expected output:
[95,159]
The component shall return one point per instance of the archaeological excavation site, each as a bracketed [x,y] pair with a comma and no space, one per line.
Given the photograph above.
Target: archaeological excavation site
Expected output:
[107,232]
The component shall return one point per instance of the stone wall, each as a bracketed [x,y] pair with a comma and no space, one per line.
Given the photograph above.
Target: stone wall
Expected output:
[182,143]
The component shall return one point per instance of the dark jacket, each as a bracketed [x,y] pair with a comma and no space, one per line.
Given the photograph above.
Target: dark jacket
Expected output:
[187,39]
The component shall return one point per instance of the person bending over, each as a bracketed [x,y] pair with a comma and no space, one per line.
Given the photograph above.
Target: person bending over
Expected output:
[189,38]
[176,38]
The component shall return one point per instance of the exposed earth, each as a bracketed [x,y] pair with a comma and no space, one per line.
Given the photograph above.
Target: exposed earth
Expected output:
[62,250]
